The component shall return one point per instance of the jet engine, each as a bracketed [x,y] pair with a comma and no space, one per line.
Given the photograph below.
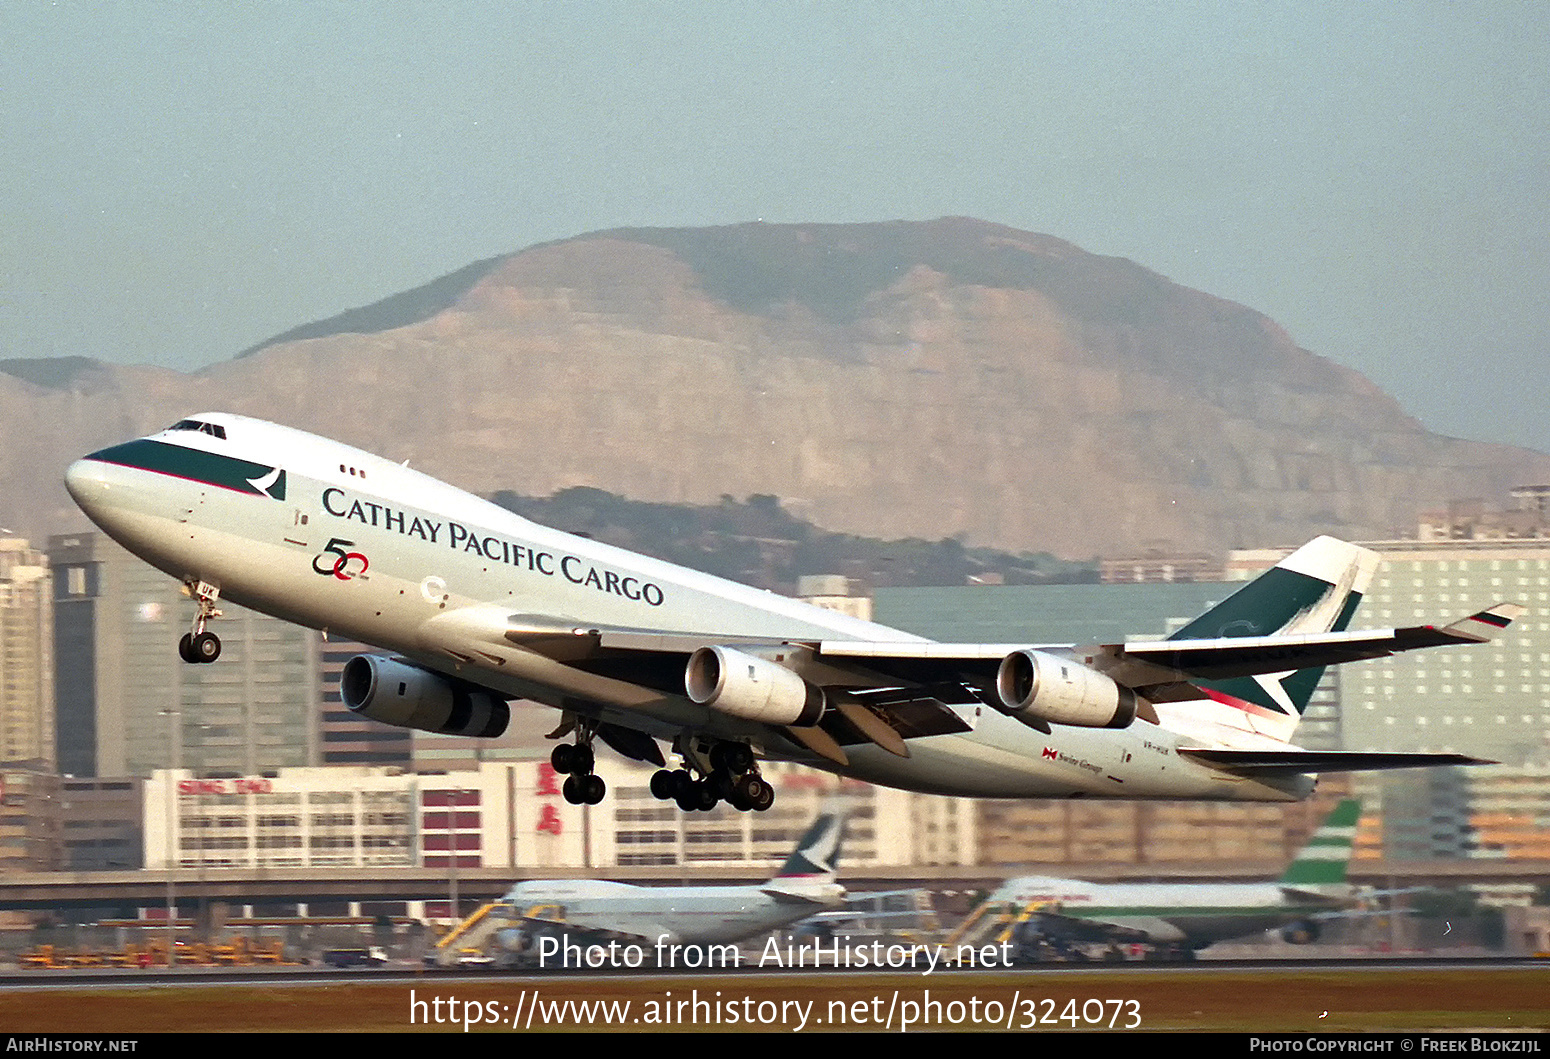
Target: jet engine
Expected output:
[1035,685]
[395,692]
[1302,932]
[752,688]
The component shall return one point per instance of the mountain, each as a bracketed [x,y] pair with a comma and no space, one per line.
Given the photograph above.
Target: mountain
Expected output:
[951,378]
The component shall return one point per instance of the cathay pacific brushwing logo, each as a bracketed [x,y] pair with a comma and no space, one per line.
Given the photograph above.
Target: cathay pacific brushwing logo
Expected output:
[272,484]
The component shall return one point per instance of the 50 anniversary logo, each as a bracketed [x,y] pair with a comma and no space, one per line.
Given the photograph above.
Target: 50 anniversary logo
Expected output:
[340,567]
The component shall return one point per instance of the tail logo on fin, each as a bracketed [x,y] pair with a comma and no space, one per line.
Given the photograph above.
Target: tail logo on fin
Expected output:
[1316,589]
[819,851]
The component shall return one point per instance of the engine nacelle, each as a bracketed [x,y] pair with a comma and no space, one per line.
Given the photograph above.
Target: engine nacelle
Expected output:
[1037,685]
[397,693]
[1302,932]
[752,688]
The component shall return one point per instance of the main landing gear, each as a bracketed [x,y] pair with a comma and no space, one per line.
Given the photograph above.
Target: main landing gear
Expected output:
[197,645]
[575,760]
[727,772]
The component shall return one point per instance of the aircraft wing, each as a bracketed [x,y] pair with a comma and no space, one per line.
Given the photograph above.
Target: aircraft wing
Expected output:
[1341,894]
[1158,663]
[587,931]
[867,665]
[886,692]
[1052,922]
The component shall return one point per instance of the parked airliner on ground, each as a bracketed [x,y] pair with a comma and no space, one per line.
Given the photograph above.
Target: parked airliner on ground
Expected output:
[477,605]
[588,911]
[1176,919]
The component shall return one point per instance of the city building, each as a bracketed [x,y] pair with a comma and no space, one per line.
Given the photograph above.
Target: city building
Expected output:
[126,705]
[834,592]
[101,823]
[1526,516]
[512,814]
[26,656]
[1081,834]
[1158,565]
[30,833]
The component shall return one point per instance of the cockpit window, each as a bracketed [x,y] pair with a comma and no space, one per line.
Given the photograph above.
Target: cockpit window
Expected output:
[215,430]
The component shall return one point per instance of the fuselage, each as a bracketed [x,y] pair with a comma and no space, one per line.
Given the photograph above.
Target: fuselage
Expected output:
[328,536]
[1195,914]
[683,914]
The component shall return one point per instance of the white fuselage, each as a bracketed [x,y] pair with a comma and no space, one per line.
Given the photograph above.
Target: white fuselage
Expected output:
[1195,914]
[685,915]
[371,550]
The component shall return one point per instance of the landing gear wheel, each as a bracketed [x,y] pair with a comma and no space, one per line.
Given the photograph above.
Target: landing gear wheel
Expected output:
[749,791]
[561,758]
[765,798]
[663,786]
[697,796]
[185,648]
[206,647]
[575,760]
[713,771]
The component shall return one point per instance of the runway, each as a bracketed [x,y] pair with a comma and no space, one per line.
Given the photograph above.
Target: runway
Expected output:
[1311,996]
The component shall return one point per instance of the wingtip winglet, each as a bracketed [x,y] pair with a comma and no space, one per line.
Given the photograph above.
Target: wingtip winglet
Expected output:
[1488,623]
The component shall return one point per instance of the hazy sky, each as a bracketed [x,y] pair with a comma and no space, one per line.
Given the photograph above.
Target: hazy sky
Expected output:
[180,181]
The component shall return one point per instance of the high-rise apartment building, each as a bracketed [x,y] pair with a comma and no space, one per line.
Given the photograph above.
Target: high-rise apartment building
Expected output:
[127,705]
[26,656]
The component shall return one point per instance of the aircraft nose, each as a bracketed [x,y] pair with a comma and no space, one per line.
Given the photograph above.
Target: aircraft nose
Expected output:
[87,485]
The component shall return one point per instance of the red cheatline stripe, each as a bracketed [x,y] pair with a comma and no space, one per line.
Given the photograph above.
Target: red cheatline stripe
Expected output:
[1240,704]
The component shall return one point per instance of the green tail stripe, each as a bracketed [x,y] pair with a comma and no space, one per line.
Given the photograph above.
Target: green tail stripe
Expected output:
[1327,856]
[1346,814]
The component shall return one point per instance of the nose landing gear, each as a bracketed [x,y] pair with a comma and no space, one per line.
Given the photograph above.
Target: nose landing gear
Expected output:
[198,646]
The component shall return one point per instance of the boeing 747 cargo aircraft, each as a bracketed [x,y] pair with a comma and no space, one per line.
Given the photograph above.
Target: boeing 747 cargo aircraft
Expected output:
[474,606]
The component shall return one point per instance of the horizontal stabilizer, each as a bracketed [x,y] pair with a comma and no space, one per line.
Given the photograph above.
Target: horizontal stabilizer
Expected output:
[1251,655]
[1293,762]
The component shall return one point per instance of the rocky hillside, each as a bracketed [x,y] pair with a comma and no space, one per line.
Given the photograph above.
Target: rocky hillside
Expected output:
[931,380]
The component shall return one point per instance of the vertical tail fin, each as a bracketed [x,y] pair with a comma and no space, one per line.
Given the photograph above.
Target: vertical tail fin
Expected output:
[1316,589]
[809,873]
[1324,860]
[818,852]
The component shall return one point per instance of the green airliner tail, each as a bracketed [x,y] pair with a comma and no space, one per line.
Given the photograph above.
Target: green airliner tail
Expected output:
[1327,856]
